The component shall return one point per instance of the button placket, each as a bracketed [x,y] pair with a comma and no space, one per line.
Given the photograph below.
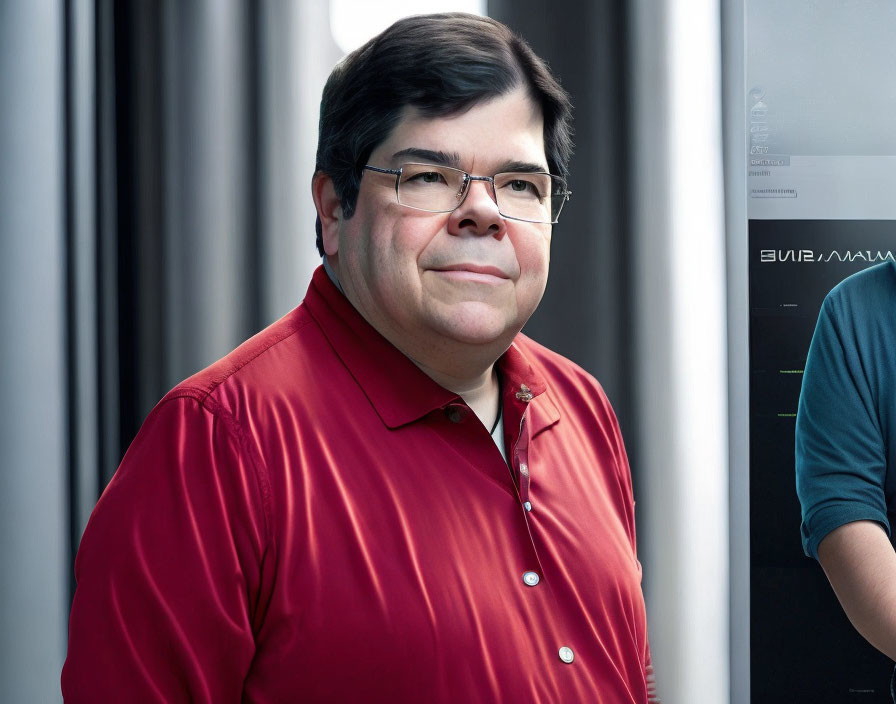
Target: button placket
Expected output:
[521,460]
[521,471]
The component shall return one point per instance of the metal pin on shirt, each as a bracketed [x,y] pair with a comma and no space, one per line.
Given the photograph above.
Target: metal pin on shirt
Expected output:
[524,394]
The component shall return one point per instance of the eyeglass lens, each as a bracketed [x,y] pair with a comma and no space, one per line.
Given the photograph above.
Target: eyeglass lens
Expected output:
[526,196]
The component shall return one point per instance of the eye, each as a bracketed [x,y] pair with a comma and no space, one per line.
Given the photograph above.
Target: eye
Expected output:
[523,187]
[520,185]
[427,177]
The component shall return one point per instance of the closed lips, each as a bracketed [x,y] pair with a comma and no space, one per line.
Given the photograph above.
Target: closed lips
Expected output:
[475,269]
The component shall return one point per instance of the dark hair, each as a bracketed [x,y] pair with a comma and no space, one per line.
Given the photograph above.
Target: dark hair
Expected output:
[442,65]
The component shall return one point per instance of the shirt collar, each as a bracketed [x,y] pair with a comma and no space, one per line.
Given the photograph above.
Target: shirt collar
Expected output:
[398,390]
[524,387]
[331,273]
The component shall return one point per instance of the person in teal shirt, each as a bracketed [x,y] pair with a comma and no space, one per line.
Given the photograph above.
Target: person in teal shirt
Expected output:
[846,447]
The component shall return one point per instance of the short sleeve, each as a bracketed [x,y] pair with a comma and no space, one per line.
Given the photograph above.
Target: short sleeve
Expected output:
[168,571]
[840,454]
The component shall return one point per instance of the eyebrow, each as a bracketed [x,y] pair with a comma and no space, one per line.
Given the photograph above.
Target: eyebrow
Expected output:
[525,167]
[452,159]
[436,157]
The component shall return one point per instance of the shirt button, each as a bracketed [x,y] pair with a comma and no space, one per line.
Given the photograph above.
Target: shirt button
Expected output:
[531,579]
[524,469]
[527,506]
[453,413]
[566,655]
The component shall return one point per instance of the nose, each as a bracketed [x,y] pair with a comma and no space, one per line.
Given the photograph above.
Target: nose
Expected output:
[477,213]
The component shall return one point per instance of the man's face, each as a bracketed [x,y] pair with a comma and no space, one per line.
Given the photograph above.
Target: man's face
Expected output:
[470,276]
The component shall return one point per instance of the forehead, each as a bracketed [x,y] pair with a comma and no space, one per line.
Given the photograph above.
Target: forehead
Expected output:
[506,129]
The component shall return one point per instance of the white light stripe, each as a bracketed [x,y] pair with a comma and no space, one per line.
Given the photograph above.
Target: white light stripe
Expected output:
[353,22]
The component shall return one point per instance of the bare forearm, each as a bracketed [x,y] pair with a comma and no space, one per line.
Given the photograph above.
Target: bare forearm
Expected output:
[861,565]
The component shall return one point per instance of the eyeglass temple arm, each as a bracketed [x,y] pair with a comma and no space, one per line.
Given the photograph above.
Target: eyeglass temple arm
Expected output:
[394,172]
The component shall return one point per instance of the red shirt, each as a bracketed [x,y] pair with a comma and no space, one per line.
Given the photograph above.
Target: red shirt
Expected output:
[313,519]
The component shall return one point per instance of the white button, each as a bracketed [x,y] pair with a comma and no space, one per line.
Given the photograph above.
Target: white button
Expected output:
[531,578]
[566,655]
[524,469]
[527,506]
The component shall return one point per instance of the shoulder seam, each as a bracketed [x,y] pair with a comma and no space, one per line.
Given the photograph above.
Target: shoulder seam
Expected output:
[192,390]
[262,481]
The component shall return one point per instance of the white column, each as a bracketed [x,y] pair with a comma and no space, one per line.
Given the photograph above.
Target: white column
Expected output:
[33,451]
[299,53]
[735,150]
[680,305]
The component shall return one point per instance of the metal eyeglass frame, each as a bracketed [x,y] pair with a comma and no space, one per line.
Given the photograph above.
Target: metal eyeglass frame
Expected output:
[468,178]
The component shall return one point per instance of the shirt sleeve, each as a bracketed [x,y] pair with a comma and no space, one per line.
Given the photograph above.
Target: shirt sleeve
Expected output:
[168,571]
[840,454]
[627,508]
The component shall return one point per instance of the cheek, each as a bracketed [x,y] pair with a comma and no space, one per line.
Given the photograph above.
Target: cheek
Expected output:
[395,253]
[417,238]
[533,253]
[372,240]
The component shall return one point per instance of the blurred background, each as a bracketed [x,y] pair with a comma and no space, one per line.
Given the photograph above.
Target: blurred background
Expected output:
[155,211]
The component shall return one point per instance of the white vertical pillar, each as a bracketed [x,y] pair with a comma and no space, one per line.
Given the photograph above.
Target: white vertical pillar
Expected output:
[33,452]
[735,150]
[680,331]
[298,54]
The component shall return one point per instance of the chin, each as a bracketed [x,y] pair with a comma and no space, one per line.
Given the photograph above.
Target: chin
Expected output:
[480,338]
[479,324]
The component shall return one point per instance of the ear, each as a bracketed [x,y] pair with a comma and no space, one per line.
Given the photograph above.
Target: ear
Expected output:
[329,210]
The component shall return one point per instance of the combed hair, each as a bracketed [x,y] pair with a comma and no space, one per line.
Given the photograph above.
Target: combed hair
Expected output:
[443,65]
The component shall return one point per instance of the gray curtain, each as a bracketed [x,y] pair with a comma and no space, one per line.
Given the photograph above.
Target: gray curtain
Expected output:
[155,211]
[205,219]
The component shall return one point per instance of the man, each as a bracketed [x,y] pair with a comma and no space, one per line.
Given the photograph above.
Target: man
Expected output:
[845,449]
[390,495]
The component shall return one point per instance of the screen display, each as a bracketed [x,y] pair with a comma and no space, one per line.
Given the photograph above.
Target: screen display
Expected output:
[803,648]
[821,202]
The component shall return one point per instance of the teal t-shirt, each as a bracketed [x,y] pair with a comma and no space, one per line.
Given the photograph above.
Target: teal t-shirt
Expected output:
[847,412]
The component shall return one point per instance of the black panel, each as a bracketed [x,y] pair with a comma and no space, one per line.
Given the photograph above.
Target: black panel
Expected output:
[803,648]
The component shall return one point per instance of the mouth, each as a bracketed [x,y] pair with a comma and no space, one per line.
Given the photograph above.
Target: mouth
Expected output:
[474,273]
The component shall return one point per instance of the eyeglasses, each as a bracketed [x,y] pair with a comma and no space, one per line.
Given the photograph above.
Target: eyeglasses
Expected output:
[530,197]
